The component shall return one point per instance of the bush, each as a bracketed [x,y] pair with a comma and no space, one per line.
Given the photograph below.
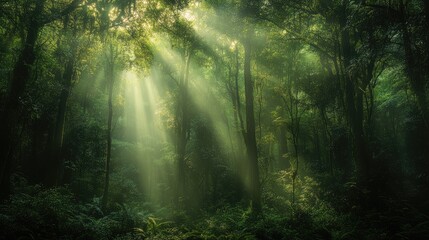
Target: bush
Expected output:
[54,214]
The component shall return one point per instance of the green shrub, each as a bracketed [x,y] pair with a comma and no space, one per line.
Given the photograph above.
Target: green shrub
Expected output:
[54,214]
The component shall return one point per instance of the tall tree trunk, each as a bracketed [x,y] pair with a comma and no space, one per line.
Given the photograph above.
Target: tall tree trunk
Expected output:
[354,105]
[237,131]
[237,95]
[324,117]
[183,128]
[56,161]
[418,85]
[295,136]
[10,119]
[238,116]
[426,10]
[417,71]
[110,80]
[252,151]
[362,151]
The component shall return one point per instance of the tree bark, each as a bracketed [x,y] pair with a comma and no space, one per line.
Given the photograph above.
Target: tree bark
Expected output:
[183,127]
[283,148]
[55,165]
[110,80]
[252,151]
[324,117]
[354,104]
[20,75]
[426,10]
[55,161]
[237,95]
[418,85]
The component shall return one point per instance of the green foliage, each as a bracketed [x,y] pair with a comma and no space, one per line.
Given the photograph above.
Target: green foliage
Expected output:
[55,214]
[46,214]
[340,91]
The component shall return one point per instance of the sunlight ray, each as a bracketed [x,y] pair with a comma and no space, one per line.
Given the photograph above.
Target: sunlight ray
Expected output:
[142,99]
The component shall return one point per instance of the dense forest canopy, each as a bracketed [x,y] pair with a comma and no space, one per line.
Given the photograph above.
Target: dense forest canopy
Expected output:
[211,119]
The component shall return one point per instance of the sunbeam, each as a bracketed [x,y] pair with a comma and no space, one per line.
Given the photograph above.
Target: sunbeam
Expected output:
[143,125]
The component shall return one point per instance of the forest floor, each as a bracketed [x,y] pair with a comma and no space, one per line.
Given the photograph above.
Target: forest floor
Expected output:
[36,213]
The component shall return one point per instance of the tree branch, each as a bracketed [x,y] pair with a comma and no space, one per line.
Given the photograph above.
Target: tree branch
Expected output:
[67,10]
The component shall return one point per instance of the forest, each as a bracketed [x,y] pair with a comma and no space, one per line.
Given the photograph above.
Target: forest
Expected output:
[214,119]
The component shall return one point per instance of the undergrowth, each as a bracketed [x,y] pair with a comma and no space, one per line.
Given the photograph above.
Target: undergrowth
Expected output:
[37,213]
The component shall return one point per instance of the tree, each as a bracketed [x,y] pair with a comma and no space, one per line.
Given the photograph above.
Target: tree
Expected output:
[252,149]
[20,76]
[111,59]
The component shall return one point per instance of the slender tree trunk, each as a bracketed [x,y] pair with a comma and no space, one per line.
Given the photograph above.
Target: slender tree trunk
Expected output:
[317,145]
[20,76]
[414,73]
[56,161]
[110,80]
[329,138]
[260,99]
[295,172]
[426,10]
[355,119]
[232,87]
[354,105]
[252,151]
[283,148]
[237,95]
[183,128]
[241,133]
[236,132]
[363,164]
